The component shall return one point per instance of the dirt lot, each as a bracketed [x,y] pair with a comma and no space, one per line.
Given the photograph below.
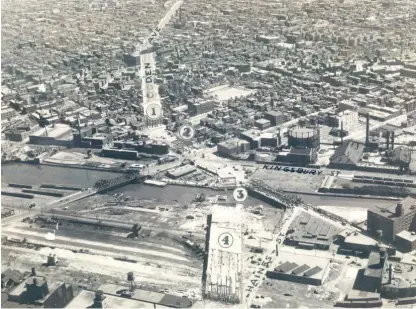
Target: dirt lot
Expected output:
[289,181]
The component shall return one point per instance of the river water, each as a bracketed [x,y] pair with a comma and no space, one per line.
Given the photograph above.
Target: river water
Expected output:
[37,174]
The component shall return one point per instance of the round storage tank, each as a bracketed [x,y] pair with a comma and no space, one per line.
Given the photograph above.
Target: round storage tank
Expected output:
[304,137]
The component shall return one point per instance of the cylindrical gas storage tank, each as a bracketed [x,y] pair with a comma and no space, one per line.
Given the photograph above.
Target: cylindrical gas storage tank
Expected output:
[304,137]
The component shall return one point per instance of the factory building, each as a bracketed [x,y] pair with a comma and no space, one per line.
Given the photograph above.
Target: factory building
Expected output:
[304,137]
[311,233]
[109,296]
[37,291]
[298,156]
[55,135]
[405,241]
[297,268]
[124,154]
[233,147]
[98,140]
[253,137]
[347,155]
[276,118]
[346,120]
[371,279]
[390,221]
[262,124]
[181,171]
[200,107]
[392,279]
[270,140]
[21,132]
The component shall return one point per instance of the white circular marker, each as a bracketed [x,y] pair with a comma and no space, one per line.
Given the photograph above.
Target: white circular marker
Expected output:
[154,111]
[186,132]
[226,240]
[240,194]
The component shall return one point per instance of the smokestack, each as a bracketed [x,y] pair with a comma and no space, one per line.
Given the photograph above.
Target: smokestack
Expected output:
[390,273]
[388,140]
[392,140]
[342,131]
[382,257]
[33,271]
[35,281]
[367,129]
[399,209]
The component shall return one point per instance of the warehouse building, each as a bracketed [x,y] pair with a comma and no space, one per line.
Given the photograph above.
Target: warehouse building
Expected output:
[388,222]
[55,135]
[300,269]
[406,241]
[276,118]
[309,232]
[201,107]
[181,171]
[233,147]
[37,291]
[347,155]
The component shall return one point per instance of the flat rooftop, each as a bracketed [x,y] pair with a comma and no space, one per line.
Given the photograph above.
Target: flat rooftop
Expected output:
[144,296]
[86,299]
[301,265]
[409,204]
[224,267]
[311,229]
[403,275]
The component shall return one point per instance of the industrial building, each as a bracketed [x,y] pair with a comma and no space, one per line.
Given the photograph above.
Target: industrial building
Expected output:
[36,290]
[356,244]
[304,137]
[21,132]
[347,155]
[232,147]
[262,124]
[55,135]
[405,241]
[388,222]
[270,139]
[346,120]
[253,137]
[201,107]
[276,118]
[298,156]
[222,276]
[108,296]
[300,269]
[309,232]
[392,279]
[124,154]
[181,171]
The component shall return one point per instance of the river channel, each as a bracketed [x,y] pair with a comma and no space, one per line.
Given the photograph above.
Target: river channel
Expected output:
[37,174]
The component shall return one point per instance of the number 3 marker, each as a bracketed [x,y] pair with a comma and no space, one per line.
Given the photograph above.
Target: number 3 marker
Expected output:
[240,194]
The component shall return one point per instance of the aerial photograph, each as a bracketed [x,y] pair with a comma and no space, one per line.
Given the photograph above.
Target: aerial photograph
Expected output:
[208,154]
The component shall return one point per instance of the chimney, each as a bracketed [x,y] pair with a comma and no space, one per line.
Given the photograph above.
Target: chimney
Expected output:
[388,140]
[35,281]
[392,140]
[33,271]
[383,256]
[342,131]
[367,129]
[399,209]
[390,273]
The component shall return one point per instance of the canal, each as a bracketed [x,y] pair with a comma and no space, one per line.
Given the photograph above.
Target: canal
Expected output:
[36,174]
